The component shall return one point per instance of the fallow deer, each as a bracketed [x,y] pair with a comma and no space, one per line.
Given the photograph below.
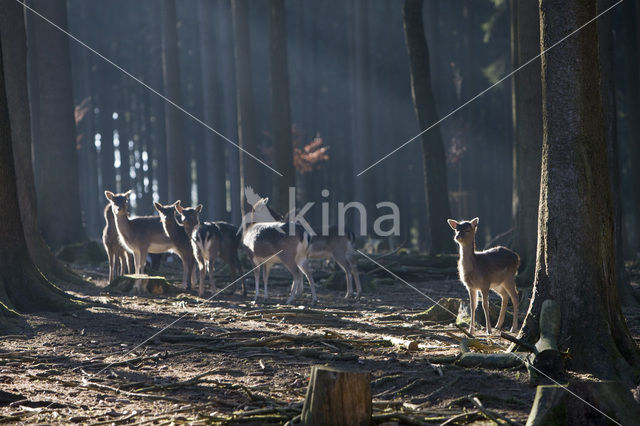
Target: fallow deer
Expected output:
[492,269]
[272,241]
[212,240]
[146,234]
[119,258]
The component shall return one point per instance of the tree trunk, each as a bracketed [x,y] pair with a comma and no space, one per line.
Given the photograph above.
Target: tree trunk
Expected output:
[22,287]
[15,47]
[214,169]
[608,90]
[527,144]
[435,173]
[575,263]
[247,137]
[281,116]
[56,158]
[178,173]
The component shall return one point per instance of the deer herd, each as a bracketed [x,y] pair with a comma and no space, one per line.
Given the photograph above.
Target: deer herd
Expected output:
[269,238]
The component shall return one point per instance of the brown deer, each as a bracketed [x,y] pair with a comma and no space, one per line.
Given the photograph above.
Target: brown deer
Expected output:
[146,234]
[272,241]
[119,258]
[211,240]
[330,244]
[492,269]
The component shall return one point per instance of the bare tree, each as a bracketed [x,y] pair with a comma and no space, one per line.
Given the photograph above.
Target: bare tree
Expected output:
[435,173]
[575,255]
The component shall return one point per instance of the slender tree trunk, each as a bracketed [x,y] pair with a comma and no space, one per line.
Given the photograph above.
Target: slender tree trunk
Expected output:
[15,47]
[527,144]
[435,173]
[247,138]
[22,287]
[216,194]
[57,163]
[178,174]
[575,256]
[281,116]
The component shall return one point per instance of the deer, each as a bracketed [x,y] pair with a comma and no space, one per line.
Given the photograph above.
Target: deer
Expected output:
[209,241]
[332,244]
[147,234]
[492,269]
[119,258]
[270,241]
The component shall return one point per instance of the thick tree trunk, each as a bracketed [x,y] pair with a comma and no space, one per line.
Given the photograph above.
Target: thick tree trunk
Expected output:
[22,287]
[575,263]
[281,116]
[178,173]
[527,144]
[214,192]
[14,46]
[57,187]
[435,173]
[247,137]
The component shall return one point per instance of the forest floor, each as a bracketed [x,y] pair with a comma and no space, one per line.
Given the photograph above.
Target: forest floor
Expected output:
[230,361]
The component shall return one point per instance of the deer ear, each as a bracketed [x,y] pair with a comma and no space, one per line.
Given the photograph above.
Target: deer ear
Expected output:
[265,200]
[199,208]
[126,194]
[475,221]
[109,195]
[452,223]
[178,207]
[157,205]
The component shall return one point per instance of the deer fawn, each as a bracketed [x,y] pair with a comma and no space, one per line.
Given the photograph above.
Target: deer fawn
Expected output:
[269,240]
[119,258]
[332,245]
[492,269]
[209,241]
[146,234]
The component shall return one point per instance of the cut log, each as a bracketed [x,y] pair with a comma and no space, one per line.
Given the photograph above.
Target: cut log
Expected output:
[554,405]
[337,397]
[492,361]
[141,285]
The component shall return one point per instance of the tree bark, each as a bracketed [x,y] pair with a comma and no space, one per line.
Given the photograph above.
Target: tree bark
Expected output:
[281,115]
[178,173]
[435,173]
[22,287]
[247,137]
[527,144]
[575,263]
[15,47]
[56,155]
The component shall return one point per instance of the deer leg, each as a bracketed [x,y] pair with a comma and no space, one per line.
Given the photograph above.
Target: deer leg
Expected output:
[348,279]
[356,278]
[306,270]
[140,258]
[513,295]
[110,257]
[485,307]
[265,278]
[297,281]
[473,302]
[256,278]
[503,307]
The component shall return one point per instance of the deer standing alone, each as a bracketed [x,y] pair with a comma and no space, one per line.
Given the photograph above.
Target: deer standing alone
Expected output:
[270,241]
[119,258]
[209,241]
[146,234]
[492,269]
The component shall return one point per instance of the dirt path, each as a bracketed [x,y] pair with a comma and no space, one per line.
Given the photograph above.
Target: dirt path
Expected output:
[234,362]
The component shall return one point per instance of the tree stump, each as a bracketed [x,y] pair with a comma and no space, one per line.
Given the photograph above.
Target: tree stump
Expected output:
[547,358]
[554,405]
[141,285]
[337,397]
